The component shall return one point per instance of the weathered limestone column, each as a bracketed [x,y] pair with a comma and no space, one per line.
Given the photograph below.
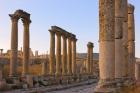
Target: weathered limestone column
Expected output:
[74,55]
[26,47]
[88,58]
[14,45]
[125,39]
[91,59]
[64,57]
[69,72]
[119,19]
[58,53]
[107,45]
[52,52]
[131,40]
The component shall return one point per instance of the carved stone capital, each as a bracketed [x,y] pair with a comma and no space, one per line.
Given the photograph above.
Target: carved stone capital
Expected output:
[90,45]
[14,17]
[131,9]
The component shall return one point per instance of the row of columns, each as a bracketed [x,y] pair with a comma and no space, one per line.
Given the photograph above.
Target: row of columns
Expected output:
[116,37]
[68,62]
[14,42]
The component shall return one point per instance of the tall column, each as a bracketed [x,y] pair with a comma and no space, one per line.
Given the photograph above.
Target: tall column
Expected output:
[26,47]
[91,59]
[64,57]
[131,40]
[58,53]
[69,55]
[106,43]
[52,52]
[14,45]
[88,59]
[119,19]
[74,56]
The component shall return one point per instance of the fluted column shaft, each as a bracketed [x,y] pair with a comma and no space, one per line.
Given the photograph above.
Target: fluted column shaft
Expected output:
[52,52]
[14,45]
[69,57]
[26,46]
[64,57]
[131,40]
[74,56]
[58,54]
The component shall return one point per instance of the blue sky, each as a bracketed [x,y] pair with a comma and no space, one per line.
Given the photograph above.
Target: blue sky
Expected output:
[77,16]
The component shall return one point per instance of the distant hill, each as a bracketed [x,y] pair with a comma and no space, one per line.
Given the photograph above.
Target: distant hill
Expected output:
[84,55]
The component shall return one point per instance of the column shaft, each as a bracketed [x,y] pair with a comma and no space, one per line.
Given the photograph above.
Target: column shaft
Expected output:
[91,61]
[88,60]
[52,53]
[58,54]
[69,57]
[64,57]
[106,39]
[14,46]
[131,40]
[74,56]
[26,46]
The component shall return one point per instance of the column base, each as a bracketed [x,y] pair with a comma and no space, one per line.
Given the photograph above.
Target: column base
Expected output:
[106,86]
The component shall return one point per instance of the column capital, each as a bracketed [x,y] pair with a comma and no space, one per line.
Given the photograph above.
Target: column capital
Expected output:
[90,44]
[26,21]
[131,9]
[58,33]
[14,17]
[64,35]
[51,31]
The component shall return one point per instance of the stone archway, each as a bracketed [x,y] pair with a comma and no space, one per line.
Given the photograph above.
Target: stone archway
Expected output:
[25,17]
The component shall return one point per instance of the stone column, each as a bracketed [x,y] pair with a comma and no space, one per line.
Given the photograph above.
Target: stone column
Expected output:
[131,40]
[26,46]
[91,59]
[58,53]
[69,72]
[14,45]
[88,58]
[74,55]
[52,52]
[119,19]
[107,44]
[64,57]
[125,39]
